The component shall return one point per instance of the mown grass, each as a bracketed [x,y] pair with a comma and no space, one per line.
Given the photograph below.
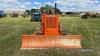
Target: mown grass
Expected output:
[11,30]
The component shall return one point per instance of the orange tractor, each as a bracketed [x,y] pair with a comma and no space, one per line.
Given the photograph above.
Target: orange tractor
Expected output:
[50,35]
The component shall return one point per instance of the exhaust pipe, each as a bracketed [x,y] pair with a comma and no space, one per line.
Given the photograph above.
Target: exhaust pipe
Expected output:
[55,7]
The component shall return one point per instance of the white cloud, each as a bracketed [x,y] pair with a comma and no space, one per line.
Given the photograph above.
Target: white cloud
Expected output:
[27,3]
[14,4]
[64,5]
[49,3]
[78,5]
[10,0]
[23,6]
[34,7]
[73,8]
[37,3]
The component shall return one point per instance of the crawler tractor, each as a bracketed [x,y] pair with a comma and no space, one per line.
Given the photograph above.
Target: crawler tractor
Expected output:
[50,35]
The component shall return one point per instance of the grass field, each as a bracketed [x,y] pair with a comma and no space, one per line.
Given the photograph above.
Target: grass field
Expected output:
[11,30]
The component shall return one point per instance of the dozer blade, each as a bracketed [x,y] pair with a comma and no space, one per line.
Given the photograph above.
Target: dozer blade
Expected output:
[43,41]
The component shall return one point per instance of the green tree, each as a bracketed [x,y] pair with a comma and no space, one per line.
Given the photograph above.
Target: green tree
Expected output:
[32,10]
[47,8]
[28,11]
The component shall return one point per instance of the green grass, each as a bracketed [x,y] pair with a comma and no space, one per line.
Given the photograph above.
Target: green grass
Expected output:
[11,30]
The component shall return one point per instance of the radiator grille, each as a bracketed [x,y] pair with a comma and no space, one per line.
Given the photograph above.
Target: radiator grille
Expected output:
[51,22]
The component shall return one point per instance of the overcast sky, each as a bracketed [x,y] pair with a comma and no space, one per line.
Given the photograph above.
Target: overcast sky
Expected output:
[63,5]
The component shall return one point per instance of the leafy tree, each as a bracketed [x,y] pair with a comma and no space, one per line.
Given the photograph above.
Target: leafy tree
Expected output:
[32,10]
[47,8]
[28,11]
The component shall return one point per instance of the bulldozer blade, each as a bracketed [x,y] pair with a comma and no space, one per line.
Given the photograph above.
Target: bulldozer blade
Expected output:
[43,41]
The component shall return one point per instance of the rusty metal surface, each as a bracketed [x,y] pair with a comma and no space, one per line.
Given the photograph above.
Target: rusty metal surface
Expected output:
[40,41]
